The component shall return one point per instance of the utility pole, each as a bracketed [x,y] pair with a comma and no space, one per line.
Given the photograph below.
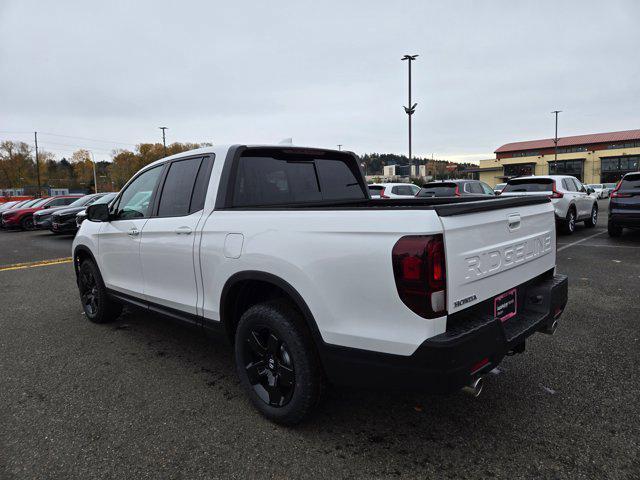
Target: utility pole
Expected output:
[339,146]
[164,143]
[411,108]
[555,141]
[35,136]
[95,179]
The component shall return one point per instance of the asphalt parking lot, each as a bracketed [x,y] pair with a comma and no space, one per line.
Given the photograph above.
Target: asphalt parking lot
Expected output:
[145,398]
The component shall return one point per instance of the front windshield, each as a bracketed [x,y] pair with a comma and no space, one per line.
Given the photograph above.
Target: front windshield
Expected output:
[105,199]
[82,201]
[38,202]
[30,203]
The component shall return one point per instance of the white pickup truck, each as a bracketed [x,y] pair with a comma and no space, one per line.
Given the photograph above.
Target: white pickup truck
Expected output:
[283,250]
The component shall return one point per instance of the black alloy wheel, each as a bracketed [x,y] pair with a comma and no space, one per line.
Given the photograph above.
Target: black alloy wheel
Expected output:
[89,292]
[96,303]
[269,366]
[277,362]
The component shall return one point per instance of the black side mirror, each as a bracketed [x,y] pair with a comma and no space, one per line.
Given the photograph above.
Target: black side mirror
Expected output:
[98,213]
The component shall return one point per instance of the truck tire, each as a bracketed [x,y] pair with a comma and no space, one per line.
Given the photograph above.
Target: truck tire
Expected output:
[593,218]
[614,230]
[98,306]
[277,362]
[569,223]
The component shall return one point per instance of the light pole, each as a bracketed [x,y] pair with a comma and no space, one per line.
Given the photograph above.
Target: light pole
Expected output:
[164,143]
[411,108]
[35,136]
[339,146]
[555,142]
[95,179]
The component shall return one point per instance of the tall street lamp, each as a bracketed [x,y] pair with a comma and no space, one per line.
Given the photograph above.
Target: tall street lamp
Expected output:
[411,108]
[555,142]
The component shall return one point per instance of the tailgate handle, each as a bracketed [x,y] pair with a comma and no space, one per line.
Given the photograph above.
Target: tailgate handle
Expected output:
[514,221]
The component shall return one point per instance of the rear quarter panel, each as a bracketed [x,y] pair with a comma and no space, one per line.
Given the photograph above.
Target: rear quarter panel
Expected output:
[339,262]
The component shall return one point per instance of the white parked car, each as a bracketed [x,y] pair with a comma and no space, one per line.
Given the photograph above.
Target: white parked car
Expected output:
[282,250]
[600,190]
[571,201]
[393,190]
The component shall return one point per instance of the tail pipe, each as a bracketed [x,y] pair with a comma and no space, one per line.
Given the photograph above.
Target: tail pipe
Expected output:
[474,388]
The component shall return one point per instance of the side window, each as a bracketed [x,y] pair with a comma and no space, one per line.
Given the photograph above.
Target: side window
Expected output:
[396,191]
[415,189]
[201,185]
[474,187]
[578,184]
[487,189]
[177,190]
[136,198]
[68,201]
[568,185]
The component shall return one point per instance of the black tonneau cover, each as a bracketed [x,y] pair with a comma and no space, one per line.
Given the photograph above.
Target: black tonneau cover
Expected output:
[444,206]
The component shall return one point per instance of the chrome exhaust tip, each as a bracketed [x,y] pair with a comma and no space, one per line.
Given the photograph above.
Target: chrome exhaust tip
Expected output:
[474,389]
[550,329]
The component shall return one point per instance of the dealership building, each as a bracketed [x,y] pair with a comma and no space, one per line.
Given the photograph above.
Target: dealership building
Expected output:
[594,158]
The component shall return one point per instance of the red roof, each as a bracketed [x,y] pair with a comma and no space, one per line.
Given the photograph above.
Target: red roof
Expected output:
[569,141]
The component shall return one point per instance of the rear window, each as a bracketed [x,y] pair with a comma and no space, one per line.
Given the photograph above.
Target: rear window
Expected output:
[438,190]
[276,178]
[630,182]
[529,185]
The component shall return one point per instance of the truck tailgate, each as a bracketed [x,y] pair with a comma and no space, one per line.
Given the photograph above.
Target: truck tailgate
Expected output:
[490,252]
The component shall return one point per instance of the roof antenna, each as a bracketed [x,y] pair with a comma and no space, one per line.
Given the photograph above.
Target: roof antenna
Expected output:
[286,141]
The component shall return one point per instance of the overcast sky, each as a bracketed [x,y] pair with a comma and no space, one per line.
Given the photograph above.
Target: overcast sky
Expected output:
[322,72]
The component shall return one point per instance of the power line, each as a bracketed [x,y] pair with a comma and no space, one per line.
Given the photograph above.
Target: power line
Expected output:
[69,136]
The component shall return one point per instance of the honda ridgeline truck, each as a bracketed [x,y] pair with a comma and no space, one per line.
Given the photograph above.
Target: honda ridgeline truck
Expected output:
[282,249]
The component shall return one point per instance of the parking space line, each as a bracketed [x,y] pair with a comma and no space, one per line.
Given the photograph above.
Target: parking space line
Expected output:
[39,263]
[581,240]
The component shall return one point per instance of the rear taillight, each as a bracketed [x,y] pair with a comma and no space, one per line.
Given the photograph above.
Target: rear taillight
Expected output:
[617,193]
[382,195]
[457,192]
[420,274]
[556,193]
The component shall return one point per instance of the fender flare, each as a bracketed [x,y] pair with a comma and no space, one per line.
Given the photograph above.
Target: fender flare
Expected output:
[283,285]
[82,249]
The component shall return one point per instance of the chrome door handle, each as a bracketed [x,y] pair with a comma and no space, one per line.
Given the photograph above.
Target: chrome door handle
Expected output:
[183,231]
[133,232]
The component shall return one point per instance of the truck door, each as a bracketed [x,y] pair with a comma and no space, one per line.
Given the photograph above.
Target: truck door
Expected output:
[171,233]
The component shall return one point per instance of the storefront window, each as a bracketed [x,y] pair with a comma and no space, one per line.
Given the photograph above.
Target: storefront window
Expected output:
[613,168]
[519,170]
[566,167]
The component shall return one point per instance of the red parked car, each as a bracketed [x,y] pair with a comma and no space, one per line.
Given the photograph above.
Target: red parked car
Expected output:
[22,217]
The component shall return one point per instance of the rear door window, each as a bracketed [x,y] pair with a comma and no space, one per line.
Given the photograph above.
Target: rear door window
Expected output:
[529,185]
[569,185]
[474,187]
[178,189]
[277,178]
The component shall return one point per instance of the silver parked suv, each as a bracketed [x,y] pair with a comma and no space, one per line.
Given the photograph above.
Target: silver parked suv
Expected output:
[570,199]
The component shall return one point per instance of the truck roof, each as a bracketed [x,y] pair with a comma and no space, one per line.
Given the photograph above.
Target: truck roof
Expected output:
[219,150]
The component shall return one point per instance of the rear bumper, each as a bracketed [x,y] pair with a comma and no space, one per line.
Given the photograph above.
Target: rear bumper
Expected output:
[475,342]
[625,219]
